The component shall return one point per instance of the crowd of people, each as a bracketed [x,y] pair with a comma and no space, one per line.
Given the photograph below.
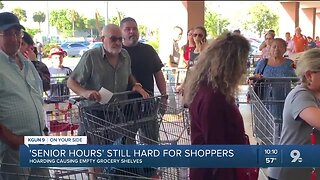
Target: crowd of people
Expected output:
[214,71]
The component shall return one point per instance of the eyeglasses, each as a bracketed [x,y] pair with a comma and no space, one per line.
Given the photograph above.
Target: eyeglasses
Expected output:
[200,35]
[17,34]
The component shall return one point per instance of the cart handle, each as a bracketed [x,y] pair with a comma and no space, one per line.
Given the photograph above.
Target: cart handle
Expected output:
[293,79]
[74,100]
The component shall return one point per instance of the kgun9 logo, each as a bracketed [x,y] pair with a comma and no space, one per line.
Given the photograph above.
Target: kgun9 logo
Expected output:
[295,154]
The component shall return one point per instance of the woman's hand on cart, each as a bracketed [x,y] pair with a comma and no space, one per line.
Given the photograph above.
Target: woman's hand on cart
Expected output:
[13,140]
[92,95]
[179,89]
[256,77]
[138,88]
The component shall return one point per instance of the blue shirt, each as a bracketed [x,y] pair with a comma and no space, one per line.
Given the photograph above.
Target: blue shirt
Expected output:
[283,70]
[276,90]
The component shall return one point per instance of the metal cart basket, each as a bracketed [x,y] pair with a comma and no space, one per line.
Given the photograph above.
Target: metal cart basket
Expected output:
[137,122]
[267,101]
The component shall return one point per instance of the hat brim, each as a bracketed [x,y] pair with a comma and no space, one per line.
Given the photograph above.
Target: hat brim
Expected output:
[8,26]
[56,53]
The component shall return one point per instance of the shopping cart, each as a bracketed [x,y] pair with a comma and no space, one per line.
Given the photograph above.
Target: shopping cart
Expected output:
[70,173]
[136,122]
[174,76]
[267,101]
[61,116]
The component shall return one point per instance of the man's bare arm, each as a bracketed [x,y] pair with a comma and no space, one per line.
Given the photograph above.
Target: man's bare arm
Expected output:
[88,94]
[262,45]
[161,82]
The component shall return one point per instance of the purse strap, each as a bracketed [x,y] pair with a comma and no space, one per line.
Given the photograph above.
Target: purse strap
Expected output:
[264,67]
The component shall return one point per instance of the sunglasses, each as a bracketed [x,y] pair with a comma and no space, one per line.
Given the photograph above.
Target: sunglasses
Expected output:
[115,39]
[200,35]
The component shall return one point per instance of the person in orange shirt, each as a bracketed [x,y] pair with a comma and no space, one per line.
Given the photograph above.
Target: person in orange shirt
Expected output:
[300,41]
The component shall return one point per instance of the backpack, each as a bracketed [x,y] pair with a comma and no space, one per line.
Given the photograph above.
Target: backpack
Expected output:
[43,73]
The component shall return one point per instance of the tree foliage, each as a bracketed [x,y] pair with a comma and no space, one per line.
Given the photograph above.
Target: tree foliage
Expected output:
[116,19]
[154,41]
[214,23]
[58,18]
[261,19]
[1,5]
[91,25]
[73,16]
[65,22]
[143,30]
[32,32]
[39,17]
[20,13]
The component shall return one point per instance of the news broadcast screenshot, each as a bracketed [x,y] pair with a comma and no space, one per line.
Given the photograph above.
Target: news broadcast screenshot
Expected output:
[176,90]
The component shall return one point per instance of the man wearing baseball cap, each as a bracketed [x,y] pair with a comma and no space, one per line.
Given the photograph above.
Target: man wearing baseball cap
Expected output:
[21,104]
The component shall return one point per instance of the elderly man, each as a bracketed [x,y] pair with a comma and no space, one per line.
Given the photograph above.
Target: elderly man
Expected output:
[21,104]
[108,67]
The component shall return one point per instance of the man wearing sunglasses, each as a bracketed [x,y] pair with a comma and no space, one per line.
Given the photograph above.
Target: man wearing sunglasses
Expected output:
[21,105]
[108,66]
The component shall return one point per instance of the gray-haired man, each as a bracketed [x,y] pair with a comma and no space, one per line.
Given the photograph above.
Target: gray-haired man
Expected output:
[21,108]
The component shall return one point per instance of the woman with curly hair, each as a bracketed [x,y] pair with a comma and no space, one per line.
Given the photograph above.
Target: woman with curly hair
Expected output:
[210,95]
